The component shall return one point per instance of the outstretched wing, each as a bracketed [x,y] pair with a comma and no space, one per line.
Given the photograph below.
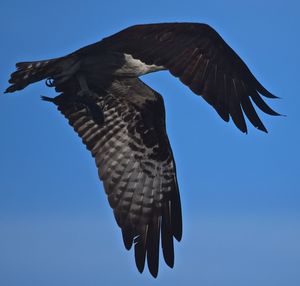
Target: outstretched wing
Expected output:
[202,60]
[135,163]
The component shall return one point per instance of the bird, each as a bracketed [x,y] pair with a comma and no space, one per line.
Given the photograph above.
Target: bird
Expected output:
[121,120]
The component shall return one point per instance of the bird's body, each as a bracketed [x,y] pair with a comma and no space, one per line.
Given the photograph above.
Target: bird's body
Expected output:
[121,120]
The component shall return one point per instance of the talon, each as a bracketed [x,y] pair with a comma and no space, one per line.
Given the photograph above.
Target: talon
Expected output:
[86,97]
[50,82]
[84,89]
[84,93]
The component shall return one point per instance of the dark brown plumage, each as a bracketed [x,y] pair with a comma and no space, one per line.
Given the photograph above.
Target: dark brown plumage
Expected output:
[122,121]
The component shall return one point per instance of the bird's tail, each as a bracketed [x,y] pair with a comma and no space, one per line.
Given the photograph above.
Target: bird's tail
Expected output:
[29,72]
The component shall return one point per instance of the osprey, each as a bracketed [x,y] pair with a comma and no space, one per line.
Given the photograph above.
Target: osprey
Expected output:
[121,120]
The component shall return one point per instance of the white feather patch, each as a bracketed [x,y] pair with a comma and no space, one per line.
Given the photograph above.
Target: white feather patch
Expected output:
[136,67]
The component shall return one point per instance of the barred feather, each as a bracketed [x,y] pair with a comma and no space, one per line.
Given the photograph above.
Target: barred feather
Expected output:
[29,72]
[135,163]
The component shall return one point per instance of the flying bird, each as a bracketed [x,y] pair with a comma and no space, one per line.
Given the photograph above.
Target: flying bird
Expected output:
[121,120]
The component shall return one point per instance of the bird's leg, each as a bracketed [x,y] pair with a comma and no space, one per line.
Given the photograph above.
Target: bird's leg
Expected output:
[84,89]
[89,99]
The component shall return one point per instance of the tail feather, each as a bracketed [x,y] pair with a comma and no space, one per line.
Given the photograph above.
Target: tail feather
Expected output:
[29,72]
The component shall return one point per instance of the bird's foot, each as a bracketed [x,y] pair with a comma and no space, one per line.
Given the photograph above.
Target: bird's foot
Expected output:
[89,99]
[85,93]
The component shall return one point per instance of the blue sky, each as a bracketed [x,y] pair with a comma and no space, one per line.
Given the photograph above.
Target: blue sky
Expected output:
[240,193]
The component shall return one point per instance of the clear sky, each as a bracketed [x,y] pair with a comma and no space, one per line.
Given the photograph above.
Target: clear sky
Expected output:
[240,193]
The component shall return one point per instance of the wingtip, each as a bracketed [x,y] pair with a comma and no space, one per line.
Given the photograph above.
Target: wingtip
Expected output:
[139,253]
[262,90]
[8,90]
[127,245]
[154,273]
[276,114]
[140,267]
[263,129]
[178,236]
[153,268]
[170,261]
[243,129]
[127,238]
[271,95]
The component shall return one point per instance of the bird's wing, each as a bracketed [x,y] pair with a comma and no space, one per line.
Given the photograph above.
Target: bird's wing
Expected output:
[201,59]
[135,163]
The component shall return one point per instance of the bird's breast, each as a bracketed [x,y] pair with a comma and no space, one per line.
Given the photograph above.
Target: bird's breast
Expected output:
[135,67]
